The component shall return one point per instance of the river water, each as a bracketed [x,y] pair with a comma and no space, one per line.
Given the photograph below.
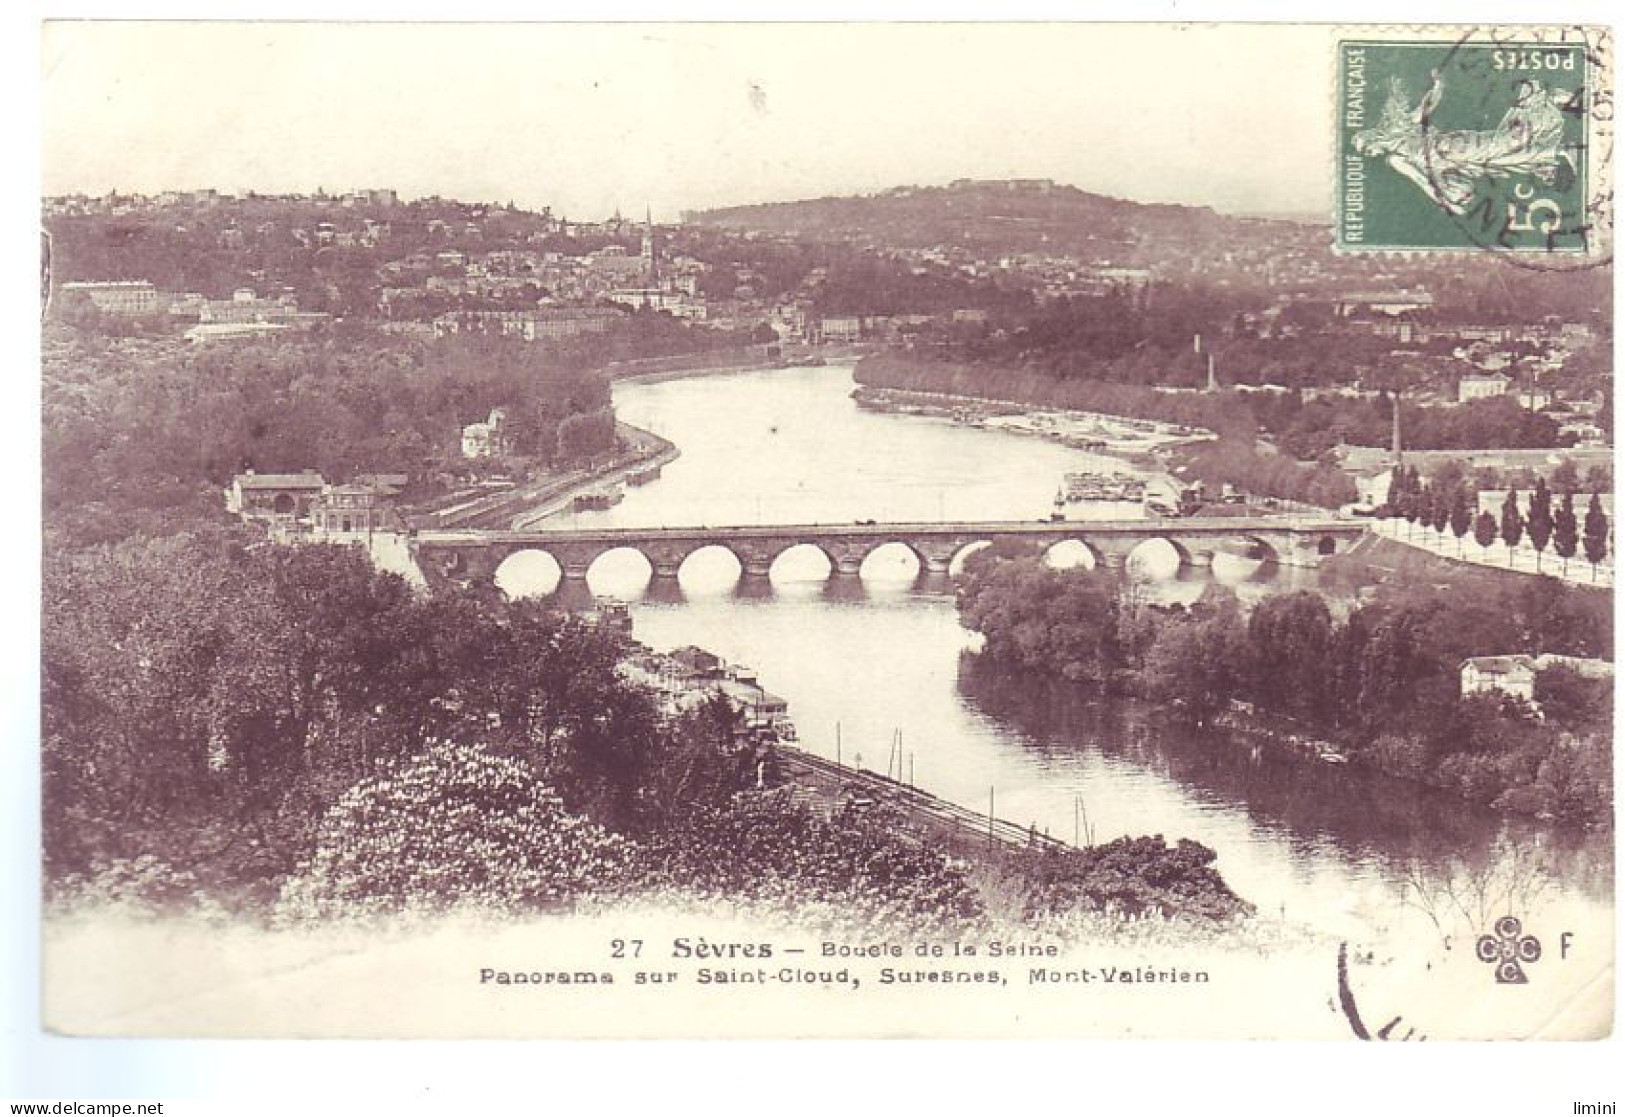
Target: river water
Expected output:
[1343,851]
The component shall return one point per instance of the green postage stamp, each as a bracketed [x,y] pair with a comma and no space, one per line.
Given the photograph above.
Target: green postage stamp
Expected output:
[1474,139]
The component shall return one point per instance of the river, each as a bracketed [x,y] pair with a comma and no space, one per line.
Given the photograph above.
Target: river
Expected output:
[1343,851]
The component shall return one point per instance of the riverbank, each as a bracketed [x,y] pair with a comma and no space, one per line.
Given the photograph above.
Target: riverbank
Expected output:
[1135,440]
[1381,687]
[641,452]
[652,370]
[1130,876]
[1229,458]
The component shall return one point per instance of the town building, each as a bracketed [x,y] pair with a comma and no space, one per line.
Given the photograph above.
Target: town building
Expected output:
[274,496]
[1534,399]
[488,439]
[354,509]
[1390,303]
[126,298]
[1514,675]
[1481,385]
[548,323]
[841,328]
[557,322]
[232,331]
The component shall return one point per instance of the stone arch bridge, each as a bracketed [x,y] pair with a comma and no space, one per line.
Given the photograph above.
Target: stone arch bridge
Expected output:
[471,556]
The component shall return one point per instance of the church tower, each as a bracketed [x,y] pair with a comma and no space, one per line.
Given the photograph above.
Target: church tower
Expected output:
[651,263]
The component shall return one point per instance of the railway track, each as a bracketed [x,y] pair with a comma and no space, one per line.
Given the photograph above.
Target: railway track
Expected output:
[925,812]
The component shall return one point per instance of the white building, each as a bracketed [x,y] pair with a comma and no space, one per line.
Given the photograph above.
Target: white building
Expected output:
[1478,385]
[487,439]
[1515,675]
[129,298]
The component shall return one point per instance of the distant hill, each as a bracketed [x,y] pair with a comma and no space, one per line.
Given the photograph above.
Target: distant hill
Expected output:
[999,216]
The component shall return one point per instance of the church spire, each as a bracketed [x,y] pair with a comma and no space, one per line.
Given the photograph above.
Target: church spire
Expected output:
[651,263]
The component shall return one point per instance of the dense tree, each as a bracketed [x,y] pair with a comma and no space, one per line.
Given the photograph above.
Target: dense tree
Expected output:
[1198,661]
[1439,501]
[1485,530]
[206,702]
[1565,531]
[1290,636]
[1062,621]
[1416,499]
[1539,524]
[1595,539]
[133,433]
[1511,523]
[1575,701]
[1461,515]
[1566,478]
[1385,680]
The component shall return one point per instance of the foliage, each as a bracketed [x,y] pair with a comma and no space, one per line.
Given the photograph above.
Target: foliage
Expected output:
[1539,521]
[1134,876]
[1196,661]
[1595,537]
[767,848]
[203,702]
[1565,530]
[1384,680]
[1575,701]
[141,429]
[1061,621]
[1511,520]
[453,827]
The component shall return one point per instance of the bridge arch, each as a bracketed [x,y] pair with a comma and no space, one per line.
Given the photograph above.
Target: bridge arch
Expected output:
[1159,558]
[892,560]
[528,572]
[706,568]
[1073,554]
[620,571]
[956,564]
[1245,558]
[802,562]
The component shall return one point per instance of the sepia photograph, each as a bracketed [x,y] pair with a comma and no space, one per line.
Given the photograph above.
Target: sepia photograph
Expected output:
[826,531]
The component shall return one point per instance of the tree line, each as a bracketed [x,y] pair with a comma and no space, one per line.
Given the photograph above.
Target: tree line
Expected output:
[144,435]
[1234,459]
[285,732]
[1383,681]
[268,726]
[1451,502]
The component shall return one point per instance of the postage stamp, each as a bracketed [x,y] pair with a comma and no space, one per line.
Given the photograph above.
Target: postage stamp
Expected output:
[1477,141]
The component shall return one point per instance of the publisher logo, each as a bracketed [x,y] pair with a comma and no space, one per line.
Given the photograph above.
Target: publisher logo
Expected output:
[1509,950]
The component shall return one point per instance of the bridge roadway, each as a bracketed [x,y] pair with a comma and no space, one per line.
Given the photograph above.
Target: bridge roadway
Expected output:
[462,556]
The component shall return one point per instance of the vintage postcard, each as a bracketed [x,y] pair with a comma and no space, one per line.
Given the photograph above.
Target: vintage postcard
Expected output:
[840,530]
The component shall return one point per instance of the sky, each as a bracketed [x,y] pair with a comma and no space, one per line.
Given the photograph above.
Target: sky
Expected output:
[591,118]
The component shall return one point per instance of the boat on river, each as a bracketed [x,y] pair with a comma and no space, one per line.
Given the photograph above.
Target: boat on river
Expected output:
[598,500]
[1092,486]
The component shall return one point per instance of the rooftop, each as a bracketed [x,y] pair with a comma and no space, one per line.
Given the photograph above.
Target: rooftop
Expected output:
[307,480]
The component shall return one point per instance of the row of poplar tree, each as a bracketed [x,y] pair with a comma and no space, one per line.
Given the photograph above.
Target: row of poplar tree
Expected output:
[1453,507]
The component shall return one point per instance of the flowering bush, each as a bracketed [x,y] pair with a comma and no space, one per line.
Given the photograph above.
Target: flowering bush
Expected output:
[767,850]
[143,883]
[1132,876]
[456,827]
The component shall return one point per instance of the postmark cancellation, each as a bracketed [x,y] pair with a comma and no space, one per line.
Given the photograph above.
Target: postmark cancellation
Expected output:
[1459,139]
